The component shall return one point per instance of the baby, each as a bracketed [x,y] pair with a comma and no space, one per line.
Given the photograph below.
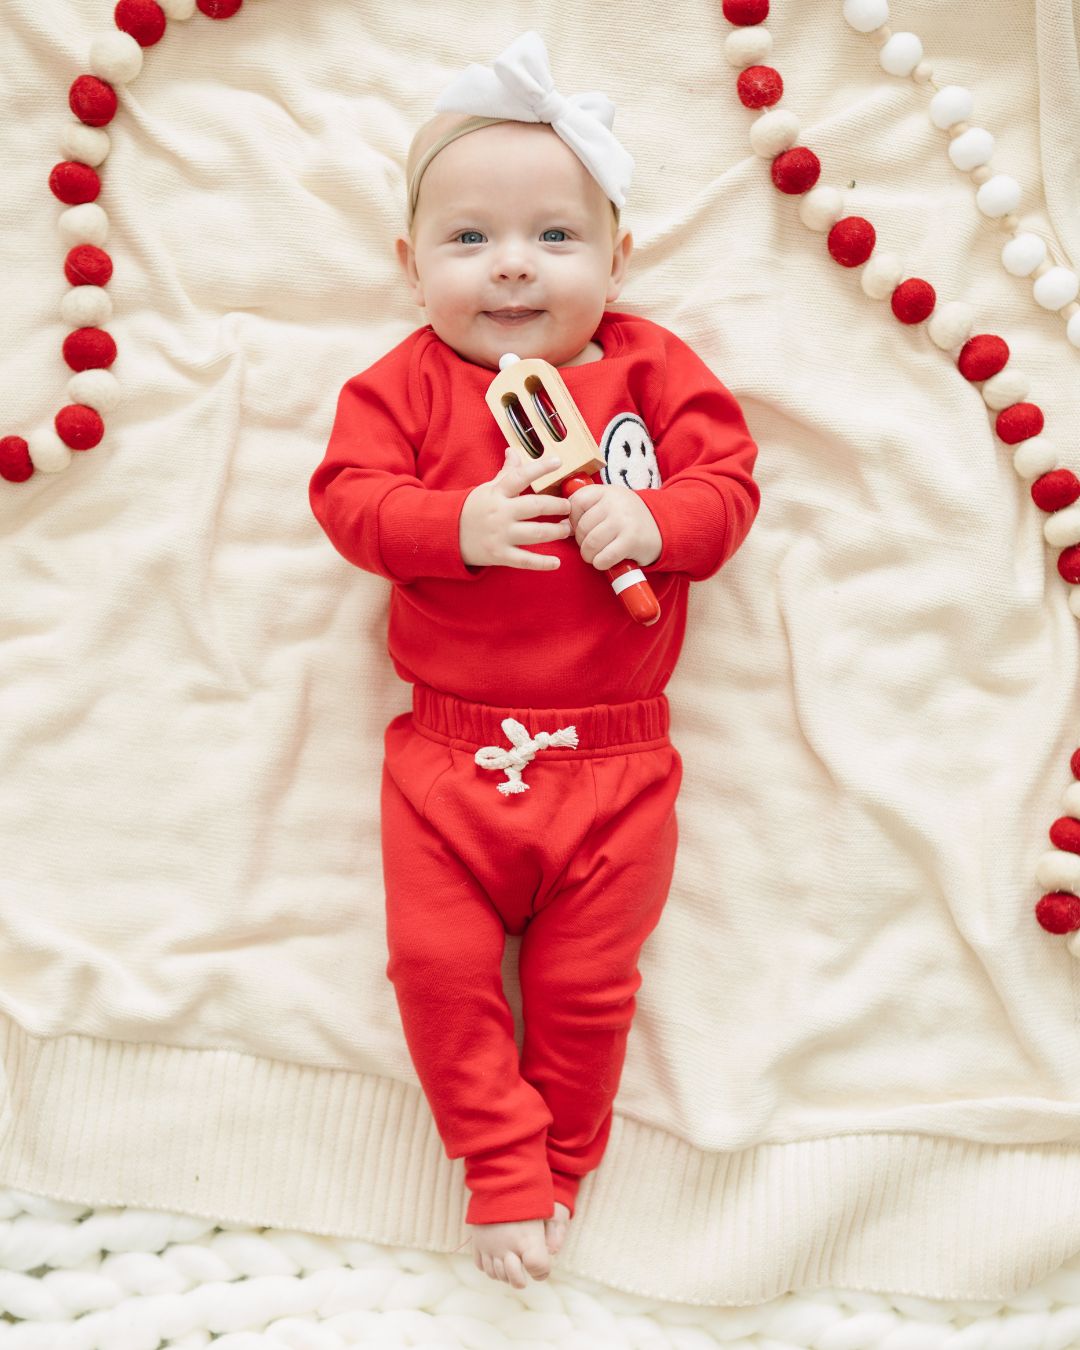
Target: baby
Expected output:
[514,245]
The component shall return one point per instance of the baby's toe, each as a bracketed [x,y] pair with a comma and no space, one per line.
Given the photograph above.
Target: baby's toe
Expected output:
[537,1261]
[515,1275]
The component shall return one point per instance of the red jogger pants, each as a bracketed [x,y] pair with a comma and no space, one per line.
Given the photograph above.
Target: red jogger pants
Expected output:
[578,863]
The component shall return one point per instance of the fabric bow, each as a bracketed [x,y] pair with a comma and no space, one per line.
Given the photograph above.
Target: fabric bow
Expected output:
[519,86]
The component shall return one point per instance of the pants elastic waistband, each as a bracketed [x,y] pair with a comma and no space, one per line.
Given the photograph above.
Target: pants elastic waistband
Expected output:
[602,728]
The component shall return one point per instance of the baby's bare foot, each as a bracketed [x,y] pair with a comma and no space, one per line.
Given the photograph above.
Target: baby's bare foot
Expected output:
[505,1251]
[555,1228]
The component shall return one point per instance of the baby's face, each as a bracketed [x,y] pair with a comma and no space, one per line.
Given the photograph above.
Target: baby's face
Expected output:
[509,217]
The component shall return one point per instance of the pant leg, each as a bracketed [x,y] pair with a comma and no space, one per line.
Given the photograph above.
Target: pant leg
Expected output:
[578,964]
[446,943]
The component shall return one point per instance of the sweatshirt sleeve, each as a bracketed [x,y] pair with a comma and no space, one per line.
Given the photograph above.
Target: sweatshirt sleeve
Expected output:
[366,495]
[707,500]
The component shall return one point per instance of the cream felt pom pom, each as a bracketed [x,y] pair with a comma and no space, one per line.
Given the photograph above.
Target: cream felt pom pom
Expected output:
[821,207]
[901,54]
[178,9]
[1022,254]
[86,223]
[96,388]
[1034,457]
[86,306]
[115,57]
[773,132]
[971,148]
[1062,528]
[866,15]
[881,275]
[1058,870]
[47,451]
[998,196]
[89,145]
[1070,798]
[950,105]
[747,46]
[1057,288]
[1072,330]
[1007,387]
[950,325]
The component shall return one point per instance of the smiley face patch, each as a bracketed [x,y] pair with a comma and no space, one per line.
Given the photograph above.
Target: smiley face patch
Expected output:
[629,454]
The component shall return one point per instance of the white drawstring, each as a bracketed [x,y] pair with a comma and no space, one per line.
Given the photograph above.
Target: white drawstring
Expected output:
[515,760]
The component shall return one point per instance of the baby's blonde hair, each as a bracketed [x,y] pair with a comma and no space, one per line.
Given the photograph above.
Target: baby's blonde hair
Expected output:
[426,136]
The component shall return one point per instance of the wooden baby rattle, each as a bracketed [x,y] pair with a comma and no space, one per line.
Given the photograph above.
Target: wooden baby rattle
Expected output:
[561,426]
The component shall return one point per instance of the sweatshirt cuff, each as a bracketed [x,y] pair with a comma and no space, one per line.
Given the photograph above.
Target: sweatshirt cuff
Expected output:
[689,538]
[419,534]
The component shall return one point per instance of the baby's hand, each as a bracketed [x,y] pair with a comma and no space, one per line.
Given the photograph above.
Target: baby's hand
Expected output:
[611,523]
[495,517]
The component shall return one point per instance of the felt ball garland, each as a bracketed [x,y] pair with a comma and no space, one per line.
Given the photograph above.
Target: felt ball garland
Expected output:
[981,358]
[89,349]
[970,149]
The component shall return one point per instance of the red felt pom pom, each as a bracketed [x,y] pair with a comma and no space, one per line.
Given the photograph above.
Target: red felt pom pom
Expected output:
[1065,833]
[982,356]
[1074,763]
[87,265]
[913,300]
[796,170]
[74,182]
[79,427]
[851,241]
[143,19]
[1056,489]
[1059,912]
[89,348]
[1018,422]
[745,11]
[92,100]
[15,462]
[759,86]
[219,9]
[1068,565]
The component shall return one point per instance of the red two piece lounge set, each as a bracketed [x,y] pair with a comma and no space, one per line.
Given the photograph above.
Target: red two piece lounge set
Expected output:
[531,788]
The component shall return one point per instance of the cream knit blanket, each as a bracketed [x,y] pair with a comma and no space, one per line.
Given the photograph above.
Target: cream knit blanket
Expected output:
[855,1056]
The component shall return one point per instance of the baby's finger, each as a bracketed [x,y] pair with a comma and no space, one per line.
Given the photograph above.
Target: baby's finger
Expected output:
[538,532]
[524,468]
[531,504]
[583,499]
[532,562]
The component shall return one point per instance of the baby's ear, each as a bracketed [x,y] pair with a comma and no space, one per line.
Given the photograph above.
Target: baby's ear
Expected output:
[406,256]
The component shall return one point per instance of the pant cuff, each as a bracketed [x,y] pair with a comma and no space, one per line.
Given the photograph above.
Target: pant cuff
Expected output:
[510,1183]
[565,1187]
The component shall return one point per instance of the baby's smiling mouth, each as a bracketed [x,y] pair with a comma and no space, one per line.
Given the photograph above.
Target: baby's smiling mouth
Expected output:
[512,315]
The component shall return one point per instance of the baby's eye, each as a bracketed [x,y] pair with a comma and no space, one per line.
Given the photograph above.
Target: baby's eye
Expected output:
[464,232]
[553,230]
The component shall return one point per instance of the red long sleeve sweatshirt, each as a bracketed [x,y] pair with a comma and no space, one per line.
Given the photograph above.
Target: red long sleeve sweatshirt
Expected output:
[412,437]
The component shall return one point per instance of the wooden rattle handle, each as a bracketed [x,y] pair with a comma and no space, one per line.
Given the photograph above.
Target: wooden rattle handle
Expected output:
[628,581]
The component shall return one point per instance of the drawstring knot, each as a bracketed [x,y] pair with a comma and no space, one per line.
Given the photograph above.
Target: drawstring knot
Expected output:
[515,760]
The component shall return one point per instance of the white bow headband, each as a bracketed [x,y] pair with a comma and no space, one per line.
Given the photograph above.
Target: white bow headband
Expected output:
[519,88]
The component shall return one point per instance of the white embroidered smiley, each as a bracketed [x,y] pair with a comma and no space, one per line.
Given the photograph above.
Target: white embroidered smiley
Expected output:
[629,454]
